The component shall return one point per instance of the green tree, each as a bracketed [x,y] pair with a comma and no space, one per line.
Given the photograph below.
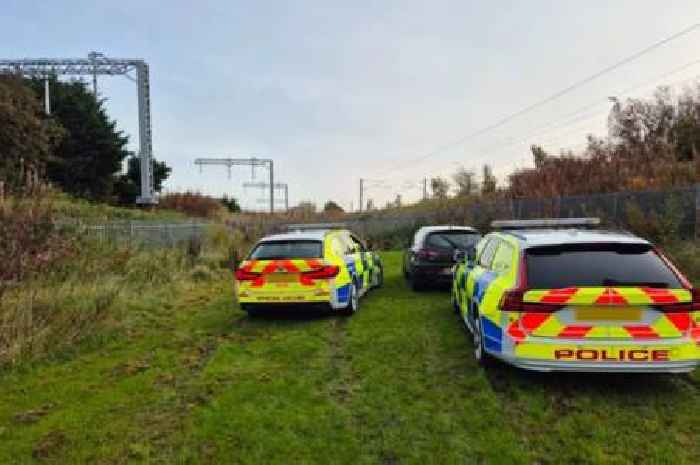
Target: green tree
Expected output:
[231,204]
[27,137]
[488,181]
[439,187]
[127,187]
[332,207]
[88,160]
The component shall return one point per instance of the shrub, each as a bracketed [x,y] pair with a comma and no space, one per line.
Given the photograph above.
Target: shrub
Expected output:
[662,228]
[29,241]
[193,204]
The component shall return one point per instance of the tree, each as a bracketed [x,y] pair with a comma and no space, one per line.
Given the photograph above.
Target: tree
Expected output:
[88,160]
[488,181]
[439,187]
[27,137]
[465,180]
[231,204]
[127,187]
[539,156]
[332,207]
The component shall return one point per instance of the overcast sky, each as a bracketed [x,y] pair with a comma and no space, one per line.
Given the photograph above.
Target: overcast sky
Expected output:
[336,91]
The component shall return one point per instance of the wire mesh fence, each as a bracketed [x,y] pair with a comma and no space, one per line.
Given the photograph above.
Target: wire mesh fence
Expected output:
[675,209]
[146,234]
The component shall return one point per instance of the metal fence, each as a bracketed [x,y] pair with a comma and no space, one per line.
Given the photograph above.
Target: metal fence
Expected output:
[146,233]
[620,209]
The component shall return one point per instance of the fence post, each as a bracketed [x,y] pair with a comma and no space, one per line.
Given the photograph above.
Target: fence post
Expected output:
[697,206]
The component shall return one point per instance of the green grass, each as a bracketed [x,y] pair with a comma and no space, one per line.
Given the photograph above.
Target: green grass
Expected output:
[68,208]
[193,380]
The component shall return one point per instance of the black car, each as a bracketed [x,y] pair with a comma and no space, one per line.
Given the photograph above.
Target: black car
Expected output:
[430,257]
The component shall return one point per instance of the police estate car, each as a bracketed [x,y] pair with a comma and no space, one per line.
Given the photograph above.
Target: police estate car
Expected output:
[556,295]
[318,265]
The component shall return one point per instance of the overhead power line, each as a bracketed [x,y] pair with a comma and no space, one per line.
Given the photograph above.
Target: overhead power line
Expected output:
[582,114]
[550,98]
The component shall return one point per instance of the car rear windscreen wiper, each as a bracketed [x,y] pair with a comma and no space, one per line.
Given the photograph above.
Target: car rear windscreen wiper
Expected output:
[451,242]
[615,282]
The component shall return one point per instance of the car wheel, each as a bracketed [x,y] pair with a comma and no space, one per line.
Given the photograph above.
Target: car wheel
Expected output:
[482,357]
[379,278]
[251,310]
[353,303]
[455,302]
[416,283]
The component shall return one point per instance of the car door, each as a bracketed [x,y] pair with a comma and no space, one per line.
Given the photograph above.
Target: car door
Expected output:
[502,272]
[353,260]
[363,257]
[479,276]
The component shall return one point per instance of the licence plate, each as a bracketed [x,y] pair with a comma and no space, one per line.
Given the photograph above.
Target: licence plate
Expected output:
[608,314]
[282,278]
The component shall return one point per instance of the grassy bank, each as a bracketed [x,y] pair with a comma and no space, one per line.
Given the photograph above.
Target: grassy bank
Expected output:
[191,379]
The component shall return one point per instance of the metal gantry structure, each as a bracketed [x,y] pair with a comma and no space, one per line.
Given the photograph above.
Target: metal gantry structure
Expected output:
[99,65]
[282,186]
[252,162]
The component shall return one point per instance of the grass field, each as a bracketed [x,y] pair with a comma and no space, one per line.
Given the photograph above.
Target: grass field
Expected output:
[191,379]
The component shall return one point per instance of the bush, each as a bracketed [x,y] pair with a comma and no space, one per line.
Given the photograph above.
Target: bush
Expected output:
[662,228]
[29,241]
[193,204]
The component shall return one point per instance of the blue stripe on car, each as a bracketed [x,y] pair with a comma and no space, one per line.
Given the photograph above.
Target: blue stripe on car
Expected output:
[482,284]
[343,293]
[493,335]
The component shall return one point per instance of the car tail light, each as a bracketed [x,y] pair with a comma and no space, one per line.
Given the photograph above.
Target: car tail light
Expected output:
[512,300]
[427,254]
[695,303]
[325,272]
[685,307]
[245,275]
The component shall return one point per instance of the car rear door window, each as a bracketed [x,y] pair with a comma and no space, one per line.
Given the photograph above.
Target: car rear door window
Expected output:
[503,258]
[597,265]
[487,253]
[452,239]
[282,250]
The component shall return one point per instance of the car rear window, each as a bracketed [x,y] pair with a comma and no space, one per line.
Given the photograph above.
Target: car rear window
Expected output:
[280,250]
[452,239]
[597,265]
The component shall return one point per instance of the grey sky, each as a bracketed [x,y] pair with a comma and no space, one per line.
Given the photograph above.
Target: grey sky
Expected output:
[335,91]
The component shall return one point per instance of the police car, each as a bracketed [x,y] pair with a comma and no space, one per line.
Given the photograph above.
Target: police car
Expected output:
[314,265]
[557,295]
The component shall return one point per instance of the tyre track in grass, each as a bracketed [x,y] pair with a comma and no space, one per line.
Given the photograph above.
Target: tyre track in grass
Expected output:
[420,399]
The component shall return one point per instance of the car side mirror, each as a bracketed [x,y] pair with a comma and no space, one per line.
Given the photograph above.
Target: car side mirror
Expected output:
[459,255]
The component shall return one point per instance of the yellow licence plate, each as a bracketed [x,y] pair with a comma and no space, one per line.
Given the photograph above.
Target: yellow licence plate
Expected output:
[608,314]
[285,278]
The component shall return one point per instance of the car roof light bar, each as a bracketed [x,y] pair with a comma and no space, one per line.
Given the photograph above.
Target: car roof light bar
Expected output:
[315,226]
[545,223]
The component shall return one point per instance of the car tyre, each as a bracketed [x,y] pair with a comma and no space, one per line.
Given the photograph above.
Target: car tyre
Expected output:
[455,303]
[482,357]
[417,285]
[353,302]
[378,278]
[251,310]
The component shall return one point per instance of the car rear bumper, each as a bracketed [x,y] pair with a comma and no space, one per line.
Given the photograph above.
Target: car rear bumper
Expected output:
[677,355]
[335,297]
[683,366]
[434,272]
[285,307]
